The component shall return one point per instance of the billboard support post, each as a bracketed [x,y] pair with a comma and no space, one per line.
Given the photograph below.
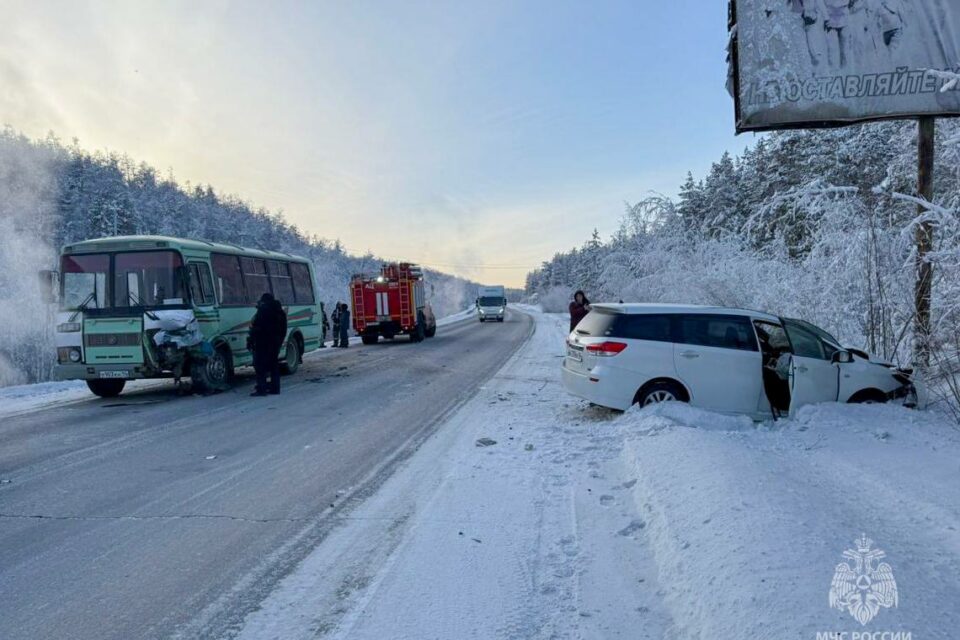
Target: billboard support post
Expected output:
[926,141]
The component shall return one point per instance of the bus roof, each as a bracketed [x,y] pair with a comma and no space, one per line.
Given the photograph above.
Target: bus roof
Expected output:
[143,243]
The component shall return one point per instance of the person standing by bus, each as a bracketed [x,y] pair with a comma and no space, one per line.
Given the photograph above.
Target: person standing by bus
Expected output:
[324,327]
[335,319]
[268,330]
[344,326]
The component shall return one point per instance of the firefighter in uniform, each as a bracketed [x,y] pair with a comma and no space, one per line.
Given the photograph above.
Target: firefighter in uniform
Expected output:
[335,319]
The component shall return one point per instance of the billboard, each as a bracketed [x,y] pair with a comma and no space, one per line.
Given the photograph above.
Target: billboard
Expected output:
[822,63]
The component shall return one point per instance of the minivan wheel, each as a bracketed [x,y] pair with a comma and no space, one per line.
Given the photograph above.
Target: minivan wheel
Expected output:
[660,392]
[868,396]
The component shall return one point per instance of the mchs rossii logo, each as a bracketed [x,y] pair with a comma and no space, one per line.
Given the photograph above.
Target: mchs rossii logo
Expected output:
[866,586]
[862,585]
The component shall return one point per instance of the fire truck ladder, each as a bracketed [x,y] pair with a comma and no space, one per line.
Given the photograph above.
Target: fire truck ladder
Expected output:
[358,311]
[405,302]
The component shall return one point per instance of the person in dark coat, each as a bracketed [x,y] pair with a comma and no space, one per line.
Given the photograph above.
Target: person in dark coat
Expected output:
[579,308]
[335,319]
[344,326]
[325,326]
[268,330]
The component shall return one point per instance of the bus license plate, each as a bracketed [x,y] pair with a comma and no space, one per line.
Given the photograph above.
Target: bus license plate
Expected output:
[113,374]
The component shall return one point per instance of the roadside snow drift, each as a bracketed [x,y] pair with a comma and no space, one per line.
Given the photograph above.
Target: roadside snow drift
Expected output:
[532,515]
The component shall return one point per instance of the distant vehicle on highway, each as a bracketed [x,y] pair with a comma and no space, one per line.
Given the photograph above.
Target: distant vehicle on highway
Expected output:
[390,303]
[491,303]
[159,307]
[727,360]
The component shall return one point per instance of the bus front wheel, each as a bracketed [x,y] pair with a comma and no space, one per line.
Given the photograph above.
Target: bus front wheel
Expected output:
[106,388]
[212,374]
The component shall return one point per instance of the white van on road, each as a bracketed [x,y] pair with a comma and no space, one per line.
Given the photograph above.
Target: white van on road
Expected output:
[491,303]
[727,360]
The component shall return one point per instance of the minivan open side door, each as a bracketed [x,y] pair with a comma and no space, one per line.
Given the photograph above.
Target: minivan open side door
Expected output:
[813,376]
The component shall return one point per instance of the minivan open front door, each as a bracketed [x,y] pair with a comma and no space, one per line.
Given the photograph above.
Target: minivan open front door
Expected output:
[813,376]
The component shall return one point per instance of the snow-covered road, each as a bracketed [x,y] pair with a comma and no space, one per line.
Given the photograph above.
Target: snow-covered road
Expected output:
[532,515]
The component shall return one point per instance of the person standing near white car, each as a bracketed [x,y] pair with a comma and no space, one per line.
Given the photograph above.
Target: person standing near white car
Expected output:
[579,308]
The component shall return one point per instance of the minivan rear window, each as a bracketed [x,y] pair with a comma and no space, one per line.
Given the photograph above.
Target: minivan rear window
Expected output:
[597,324]
[630,326]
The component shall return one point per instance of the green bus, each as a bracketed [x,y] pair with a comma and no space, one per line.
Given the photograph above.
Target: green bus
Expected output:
[157,307]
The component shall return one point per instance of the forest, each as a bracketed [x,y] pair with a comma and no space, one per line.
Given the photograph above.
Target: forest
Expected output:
[52,194]
[818,225]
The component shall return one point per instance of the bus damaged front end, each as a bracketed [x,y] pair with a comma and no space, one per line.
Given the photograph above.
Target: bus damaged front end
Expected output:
[124,315]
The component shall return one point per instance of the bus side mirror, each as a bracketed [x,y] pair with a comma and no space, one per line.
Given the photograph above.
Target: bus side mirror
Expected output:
[50,285]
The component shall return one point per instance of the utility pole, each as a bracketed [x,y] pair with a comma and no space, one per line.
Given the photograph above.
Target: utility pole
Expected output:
[924,239]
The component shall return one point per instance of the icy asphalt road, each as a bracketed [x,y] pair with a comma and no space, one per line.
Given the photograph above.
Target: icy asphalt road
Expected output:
[152,515]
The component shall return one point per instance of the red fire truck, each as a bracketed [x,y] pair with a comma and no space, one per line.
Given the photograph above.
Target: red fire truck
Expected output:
[391,303]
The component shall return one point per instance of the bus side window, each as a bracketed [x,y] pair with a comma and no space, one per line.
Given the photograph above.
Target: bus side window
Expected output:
[229,279]
[201,284]
[280,279]
[302,283]
[256,278]
[195,294]
[206,284]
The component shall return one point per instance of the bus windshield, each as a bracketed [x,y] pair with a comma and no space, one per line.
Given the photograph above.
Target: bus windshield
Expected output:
[85,280]
[136,279]
[147,279]
[491,302]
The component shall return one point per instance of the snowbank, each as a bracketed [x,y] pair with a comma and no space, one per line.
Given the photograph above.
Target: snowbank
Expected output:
[460,316]
[25,398]
[532,515]
[748,524]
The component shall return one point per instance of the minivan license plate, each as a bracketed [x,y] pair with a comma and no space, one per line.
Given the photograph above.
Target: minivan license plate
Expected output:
[113,374]
[573,354]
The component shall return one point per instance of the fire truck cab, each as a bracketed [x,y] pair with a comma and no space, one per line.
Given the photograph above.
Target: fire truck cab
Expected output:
[390,303]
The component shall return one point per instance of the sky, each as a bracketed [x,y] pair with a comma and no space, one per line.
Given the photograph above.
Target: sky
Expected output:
[476,137]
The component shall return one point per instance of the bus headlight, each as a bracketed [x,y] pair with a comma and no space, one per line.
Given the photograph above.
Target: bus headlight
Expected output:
[68,327]
[68,354]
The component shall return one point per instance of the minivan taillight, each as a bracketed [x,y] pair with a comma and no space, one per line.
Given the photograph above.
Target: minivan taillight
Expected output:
[607,348]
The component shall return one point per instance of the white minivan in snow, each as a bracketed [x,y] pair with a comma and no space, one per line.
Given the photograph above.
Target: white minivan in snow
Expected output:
[727,360]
